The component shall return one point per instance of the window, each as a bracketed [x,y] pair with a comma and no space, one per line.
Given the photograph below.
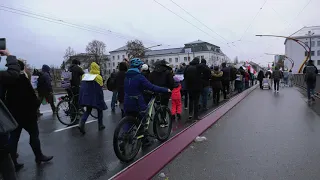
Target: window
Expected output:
[118,63]
[312,53]
[112,57]
[185,59]
[306,43]
[318,43]
[318,62]
[318,52]
[157,59]
[170,60]
[313,43]
[109,64]
[177,60]
[202,57]
[118,57]
[122,56]
[113,64]
[152,60]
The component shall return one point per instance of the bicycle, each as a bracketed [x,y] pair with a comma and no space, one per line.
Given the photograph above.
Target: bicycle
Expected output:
[70,110]
[121,141]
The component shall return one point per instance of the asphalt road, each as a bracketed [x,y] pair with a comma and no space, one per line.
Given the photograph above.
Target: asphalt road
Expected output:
[266,136]
[75,156]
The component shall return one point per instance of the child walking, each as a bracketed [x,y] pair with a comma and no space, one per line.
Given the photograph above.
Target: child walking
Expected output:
[176,99]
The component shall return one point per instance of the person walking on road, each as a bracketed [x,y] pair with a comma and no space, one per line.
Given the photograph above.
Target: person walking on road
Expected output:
[176,99]
[216,83]
[277,75]
[162,76]
[290,78]
[192,76]
[7,169]
[260,78]
[184,91]
[76,75]
[44,87]
[205,78]
[23,106]
[310,76]
[233,76]
[225,80]
[91,96]
[111,85]
[123,68]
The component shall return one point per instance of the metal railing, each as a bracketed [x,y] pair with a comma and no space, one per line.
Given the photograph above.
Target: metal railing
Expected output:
[298,80]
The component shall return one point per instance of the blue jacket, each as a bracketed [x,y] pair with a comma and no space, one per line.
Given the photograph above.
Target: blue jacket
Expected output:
[91,94]
[134,85]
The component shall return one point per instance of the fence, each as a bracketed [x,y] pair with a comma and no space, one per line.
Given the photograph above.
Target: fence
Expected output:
[298,80]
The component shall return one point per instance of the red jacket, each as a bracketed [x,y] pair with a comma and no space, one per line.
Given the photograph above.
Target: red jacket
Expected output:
[176,93]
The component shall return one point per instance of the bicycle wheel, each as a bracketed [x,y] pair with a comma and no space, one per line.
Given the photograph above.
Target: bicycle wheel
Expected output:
[122,140]
[67,112]
[162,124]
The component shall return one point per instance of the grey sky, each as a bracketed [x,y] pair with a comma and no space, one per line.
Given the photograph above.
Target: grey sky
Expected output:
[42,42]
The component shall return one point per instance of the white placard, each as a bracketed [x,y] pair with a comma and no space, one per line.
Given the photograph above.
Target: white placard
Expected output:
[89,77]
[34,81]
[179,76]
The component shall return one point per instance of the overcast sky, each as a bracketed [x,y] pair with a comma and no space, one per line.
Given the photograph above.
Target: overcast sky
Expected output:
[41,42]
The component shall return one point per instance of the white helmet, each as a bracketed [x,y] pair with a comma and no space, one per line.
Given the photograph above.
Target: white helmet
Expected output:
[144,67]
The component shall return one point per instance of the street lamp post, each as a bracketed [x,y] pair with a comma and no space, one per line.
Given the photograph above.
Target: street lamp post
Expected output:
[306,47]
[290,59]
[310,35]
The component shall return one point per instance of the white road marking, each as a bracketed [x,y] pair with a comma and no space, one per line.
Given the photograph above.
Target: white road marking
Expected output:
[69,127]
[50,111]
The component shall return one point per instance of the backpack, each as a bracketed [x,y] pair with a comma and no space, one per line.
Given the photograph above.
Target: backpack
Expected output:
[310,73]
[66,78]
[111,83]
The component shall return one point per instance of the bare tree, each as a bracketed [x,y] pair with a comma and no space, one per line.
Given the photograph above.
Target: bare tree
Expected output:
[96,49]
[66,58]
[135,49]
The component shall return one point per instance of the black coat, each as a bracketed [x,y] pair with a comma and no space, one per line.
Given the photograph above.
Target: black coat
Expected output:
[77,73]
[192,76]
[22,100]
[260,76]
[121,75]
[162,76]
[205,75]
[226,73]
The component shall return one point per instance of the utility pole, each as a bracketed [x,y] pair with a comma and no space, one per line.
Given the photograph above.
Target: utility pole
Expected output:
[310,36]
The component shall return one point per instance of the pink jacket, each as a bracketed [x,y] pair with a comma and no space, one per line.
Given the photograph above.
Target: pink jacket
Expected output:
[176,93]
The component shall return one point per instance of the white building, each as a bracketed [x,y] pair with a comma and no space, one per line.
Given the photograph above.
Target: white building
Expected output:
[175,56]
[311,37]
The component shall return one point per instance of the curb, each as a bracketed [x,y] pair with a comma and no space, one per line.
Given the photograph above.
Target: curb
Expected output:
[154,161]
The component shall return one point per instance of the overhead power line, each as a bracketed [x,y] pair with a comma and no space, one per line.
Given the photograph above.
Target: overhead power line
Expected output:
[94,29]
[191,23]
[198,20]
[253,20]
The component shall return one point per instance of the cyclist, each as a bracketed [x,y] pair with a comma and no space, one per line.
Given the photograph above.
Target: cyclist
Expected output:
[134,85]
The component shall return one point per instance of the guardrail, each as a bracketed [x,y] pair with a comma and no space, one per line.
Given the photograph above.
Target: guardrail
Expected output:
[298,80]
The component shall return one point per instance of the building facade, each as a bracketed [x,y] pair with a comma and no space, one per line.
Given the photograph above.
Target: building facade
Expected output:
[311,37]
[175,56]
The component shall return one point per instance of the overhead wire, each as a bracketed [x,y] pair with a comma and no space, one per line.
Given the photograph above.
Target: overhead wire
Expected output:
[65,23]
[191,23]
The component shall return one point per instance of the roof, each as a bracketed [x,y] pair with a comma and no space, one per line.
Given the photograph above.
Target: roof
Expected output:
[123,48]
[164,51]
[196,42]
[303,32]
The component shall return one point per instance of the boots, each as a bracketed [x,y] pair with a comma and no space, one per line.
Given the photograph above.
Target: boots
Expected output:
[17,165]
[81,127]
[173,117]
[179,117]
[100,125]
[36,148]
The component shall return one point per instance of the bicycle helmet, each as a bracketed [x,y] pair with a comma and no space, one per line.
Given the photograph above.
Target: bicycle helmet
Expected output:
[136,63]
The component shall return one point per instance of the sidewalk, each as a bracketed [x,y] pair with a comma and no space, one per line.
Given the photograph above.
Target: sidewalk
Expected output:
[266,136]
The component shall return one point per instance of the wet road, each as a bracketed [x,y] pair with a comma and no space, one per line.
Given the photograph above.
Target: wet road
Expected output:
[75,156]
[266,136]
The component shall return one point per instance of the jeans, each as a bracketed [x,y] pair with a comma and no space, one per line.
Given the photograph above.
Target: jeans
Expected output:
[310,90]
[193,103]
[276,84]
[114,100]
[204,97]
[6,167]
[88,112]
[34,141]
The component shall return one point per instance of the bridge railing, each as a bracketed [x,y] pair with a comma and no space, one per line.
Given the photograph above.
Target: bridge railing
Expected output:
[298,80]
